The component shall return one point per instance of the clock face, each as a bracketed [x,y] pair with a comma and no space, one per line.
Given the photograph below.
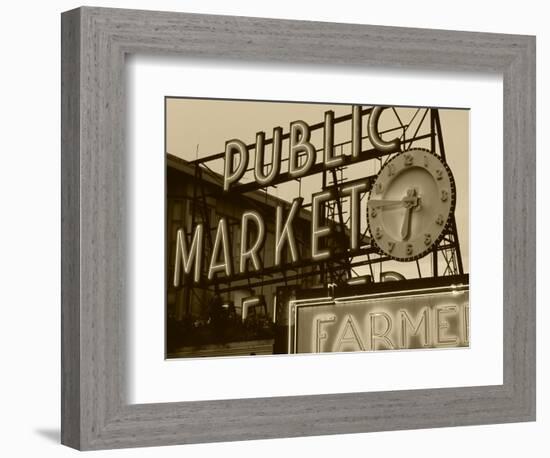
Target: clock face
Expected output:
[410,204]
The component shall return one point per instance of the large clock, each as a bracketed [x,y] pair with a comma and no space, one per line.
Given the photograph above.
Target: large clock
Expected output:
[410,204]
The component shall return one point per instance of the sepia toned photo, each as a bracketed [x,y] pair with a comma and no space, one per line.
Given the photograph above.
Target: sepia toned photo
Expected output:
[314,228]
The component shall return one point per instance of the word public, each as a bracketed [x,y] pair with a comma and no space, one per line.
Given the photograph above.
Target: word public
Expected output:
[302,155]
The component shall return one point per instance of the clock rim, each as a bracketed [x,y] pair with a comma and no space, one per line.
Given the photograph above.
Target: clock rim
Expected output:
[450,215]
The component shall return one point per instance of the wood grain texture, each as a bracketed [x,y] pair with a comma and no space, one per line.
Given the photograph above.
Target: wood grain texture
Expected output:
[70,229]
[95,412]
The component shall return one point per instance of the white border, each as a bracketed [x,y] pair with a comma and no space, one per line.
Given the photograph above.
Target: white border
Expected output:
[152,379]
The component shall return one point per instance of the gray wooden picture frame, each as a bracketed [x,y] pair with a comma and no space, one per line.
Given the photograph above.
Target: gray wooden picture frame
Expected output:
[95,41]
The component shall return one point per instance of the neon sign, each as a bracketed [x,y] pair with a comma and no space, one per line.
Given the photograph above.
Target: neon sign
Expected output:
[302,156]
[421,319]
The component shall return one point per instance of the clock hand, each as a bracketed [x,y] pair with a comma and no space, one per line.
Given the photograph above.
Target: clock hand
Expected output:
[406,223]
[384,203]
[388,203]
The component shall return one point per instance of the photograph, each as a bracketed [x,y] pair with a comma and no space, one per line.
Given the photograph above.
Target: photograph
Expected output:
[297,227]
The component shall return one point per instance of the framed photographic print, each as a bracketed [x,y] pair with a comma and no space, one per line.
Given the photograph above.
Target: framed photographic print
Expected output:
[285,228]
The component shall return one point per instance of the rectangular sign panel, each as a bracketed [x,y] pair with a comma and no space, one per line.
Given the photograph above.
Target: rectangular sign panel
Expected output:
[417,319]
